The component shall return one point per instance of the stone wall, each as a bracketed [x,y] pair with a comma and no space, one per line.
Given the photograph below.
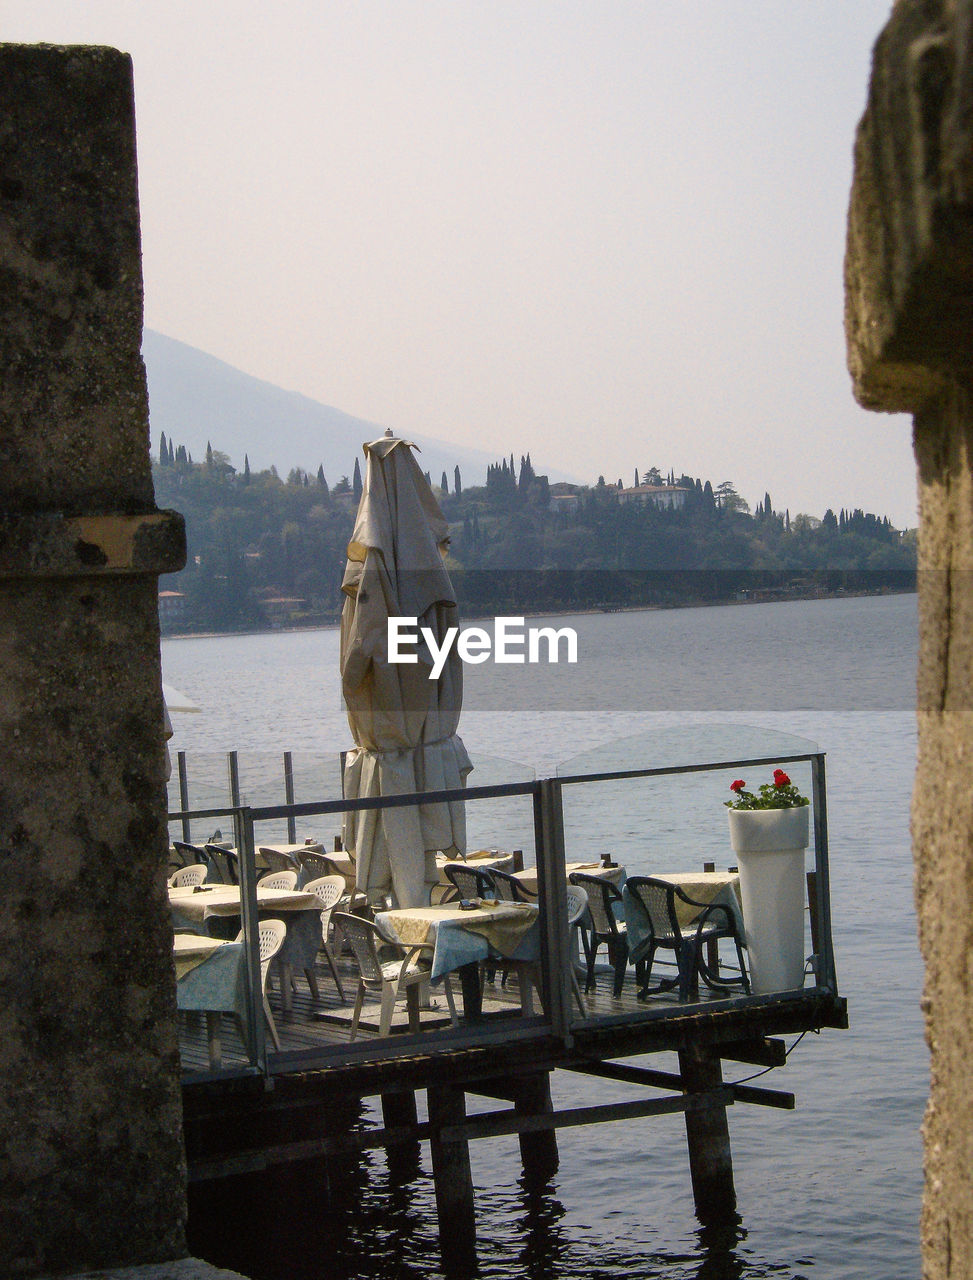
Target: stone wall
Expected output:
[909,323]
[91,1164]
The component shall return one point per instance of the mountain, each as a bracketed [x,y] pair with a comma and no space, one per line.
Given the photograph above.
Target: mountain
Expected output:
[196,399]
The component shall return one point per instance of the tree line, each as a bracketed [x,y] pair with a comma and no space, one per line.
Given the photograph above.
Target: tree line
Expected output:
[266,551]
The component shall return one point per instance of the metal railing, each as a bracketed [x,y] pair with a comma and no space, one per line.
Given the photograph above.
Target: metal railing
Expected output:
[546,796]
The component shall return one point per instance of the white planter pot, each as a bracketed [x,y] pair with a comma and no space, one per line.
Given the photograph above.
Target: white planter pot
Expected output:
[769,845]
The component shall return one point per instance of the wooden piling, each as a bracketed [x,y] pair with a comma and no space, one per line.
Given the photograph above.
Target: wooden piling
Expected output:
[538,1149]
[708,1136]
[399,1111]
[453,1178]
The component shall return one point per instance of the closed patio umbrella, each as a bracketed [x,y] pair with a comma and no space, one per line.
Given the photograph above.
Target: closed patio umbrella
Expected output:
[404,724]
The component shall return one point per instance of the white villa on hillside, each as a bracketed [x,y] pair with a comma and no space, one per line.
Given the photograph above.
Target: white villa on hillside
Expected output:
[669,496]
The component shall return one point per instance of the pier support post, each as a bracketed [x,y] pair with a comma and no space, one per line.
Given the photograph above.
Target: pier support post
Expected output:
[399,1111]
[708,1136]
[453,1178]
[538,1149]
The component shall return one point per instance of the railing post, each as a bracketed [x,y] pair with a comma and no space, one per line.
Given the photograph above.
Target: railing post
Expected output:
[552,895]
[184,795]
[243,838]
[826,976]
[289,796]
[233,773]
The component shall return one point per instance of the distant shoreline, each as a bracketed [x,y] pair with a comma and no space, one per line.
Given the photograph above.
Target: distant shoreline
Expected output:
[566,613]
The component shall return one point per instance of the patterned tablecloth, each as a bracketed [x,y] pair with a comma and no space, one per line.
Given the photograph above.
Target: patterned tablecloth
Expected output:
[458,937]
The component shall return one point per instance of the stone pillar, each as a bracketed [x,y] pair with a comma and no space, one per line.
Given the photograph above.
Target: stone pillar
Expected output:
[91,1164]
[909,325]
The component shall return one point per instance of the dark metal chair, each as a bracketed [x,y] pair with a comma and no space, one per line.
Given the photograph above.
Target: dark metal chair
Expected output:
[313,867]
[509,888]
[194,853]
[606,927]
[470,882]
[712,921]
[277,861]
[227,861]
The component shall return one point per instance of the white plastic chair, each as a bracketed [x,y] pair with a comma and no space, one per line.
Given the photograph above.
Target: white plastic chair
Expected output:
[272,935]
[577,906]
[279,880]
[392,979]
[328,890]
[186,876]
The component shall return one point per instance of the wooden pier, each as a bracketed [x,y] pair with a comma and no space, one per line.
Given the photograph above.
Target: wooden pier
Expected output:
[263,1109]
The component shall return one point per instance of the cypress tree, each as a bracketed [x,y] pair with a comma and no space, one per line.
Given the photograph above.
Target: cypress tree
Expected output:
[246,468]
[443,484]
[163,450]
[356,484]
[457,483]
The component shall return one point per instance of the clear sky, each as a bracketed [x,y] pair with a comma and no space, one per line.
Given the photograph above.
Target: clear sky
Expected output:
[609,232]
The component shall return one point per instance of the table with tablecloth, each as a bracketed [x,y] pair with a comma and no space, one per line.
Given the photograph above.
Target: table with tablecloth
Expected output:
[215,910]
[706,887]
[458,936]
[614,873]
[480,860]
[210,979]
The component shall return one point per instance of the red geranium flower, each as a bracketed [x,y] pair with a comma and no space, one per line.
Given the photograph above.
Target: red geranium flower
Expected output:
[738,785]
[781,779]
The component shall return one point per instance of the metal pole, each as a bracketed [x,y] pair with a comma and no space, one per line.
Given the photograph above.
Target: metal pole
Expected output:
[826,967]
[289,796]
[551,884]
[254,1029]
[233,772]
[184,795]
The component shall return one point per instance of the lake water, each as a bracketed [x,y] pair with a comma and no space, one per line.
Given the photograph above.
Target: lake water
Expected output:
[831,1189]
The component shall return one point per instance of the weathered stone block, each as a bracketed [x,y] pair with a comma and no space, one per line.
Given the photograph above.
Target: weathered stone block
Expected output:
[909,325]
[91,1164]
[909,260]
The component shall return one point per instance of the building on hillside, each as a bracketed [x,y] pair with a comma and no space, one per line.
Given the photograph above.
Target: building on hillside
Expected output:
[282,611]
[667,497]
[172,609]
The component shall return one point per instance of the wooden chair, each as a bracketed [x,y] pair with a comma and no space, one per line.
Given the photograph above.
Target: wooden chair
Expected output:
[714,920]
[390,979]
[606,927]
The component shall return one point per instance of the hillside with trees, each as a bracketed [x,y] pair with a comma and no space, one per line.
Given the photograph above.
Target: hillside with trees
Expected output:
[266,552]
